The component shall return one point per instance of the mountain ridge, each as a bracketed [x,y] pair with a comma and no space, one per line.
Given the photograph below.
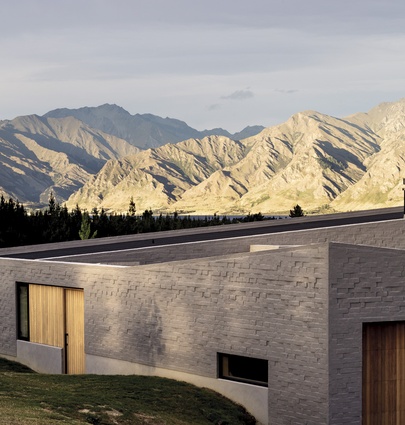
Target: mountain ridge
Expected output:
[142,130]
[321,162]
[312,159]
[35,159]
[58,152]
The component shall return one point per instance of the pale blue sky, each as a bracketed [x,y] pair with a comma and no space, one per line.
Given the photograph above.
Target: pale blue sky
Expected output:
[211,63]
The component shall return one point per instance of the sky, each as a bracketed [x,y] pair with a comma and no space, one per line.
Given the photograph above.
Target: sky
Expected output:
[210,63]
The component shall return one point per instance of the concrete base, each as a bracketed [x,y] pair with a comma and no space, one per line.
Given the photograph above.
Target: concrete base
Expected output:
[39,357]
[252,397]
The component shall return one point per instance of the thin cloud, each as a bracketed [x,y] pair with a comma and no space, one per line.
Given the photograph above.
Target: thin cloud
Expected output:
[214,107]
[166,50]
[239,95]
[289,91]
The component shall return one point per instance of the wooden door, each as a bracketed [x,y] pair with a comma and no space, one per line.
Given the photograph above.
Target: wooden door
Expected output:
[384,373]
[75,358]
[47,315]
[56,317]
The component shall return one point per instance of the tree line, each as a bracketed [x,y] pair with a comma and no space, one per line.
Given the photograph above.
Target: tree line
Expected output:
[56,223]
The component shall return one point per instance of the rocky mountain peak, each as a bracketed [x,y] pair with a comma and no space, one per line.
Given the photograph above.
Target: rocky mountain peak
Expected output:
[87,156]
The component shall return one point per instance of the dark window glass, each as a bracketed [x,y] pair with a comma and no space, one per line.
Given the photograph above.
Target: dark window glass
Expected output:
[23,311]
[243,369]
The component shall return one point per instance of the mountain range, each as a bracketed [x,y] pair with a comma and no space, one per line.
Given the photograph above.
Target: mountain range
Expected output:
[143,130]
[61,150]
[101,157]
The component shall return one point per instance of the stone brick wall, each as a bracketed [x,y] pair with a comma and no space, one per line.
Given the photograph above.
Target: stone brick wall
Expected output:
[178,315]
[301,308]
[47,273]
[366,285]
[8,311]
[298,332]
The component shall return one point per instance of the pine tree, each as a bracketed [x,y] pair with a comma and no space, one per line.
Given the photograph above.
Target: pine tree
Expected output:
[132,207]
[297,212]
[85,228]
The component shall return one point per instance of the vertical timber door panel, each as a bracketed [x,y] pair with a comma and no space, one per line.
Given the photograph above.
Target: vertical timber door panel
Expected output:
[384,373]
[47,315]
[75,331]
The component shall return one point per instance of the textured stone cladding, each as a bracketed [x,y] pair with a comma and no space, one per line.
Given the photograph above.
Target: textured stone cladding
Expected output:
[366,285]
[270,305]
[47,273]
[389,234]
[8,310]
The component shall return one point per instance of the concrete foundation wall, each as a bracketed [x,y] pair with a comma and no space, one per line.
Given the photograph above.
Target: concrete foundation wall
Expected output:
[39,357]
[252,397]
[366,285]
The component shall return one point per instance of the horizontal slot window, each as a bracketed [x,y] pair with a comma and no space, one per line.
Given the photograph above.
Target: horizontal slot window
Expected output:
[243,369]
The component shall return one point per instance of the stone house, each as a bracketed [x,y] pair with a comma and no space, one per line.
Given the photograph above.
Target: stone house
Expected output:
[301,327]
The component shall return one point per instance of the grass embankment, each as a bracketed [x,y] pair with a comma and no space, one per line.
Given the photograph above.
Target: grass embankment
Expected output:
[31,398]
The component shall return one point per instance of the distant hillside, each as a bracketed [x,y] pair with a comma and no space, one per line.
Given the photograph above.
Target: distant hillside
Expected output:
[315,160]
[318,161]
[62,150]
[381,184]
[39,155]
[156,178]
[144,131]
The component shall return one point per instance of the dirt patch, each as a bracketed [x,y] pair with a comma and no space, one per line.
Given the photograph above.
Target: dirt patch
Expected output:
[146,419]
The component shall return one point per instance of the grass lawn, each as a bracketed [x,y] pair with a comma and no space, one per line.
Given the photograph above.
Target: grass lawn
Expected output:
[32,398]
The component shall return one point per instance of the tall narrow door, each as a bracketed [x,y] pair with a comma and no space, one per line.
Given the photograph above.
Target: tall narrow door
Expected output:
[384,373]
[46,313]
[74,308]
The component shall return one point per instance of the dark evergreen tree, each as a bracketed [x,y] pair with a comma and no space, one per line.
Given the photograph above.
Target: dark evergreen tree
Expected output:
[132,207]
[297,211]
[85,231]
[56,223]
[13,223]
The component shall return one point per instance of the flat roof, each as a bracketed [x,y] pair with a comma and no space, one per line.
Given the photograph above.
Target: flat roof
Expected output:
[109,250]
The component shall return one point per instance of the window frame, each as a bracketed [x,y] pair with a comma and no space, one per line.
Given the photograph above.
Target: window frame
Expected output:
[24,336]
[227,361]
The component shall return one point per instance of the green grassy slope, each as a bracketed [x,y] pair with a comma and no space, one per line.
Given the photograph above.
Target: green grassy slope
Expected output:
[31,398]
